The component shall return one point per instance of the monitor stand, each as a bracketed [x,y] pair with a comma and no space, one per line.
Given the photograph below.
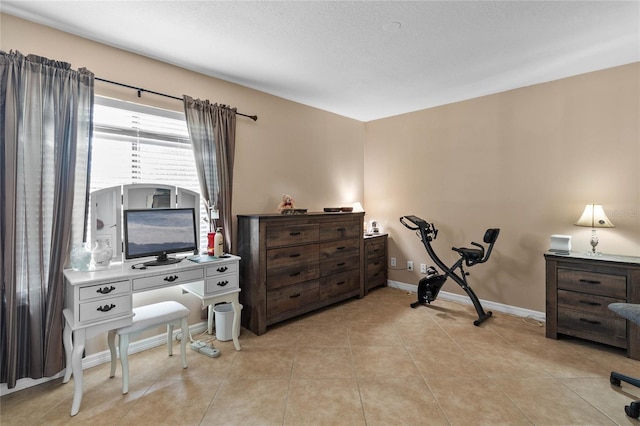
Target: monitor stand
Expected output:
[162,260]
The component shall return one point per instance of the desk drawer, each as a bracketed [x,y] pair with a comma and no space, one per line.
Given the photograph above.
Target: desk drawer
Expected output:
[166,279]
[593,282]
[105,290]
[105,308]
[226,268]
[221,283]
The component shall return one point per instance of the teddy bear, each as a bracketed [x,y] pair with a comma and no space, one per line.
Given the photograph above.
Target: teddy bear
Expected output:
[286,203]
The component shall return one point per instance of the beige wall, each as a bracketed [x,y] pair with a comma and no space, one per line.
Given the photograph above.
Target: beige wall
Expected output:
[526,161]
[315,156]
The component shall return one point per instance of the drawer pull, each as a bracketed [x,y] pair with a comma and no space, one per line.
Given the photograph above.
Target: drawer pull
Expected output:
[294,234]
[223,283]
[171,278]
[293,296]
[341,229]
[295,255]
[377,262]
[585,302]
[106,308]
[590,321]
[340,248]
[590,281]
[340,264]
[375,275]
[222,269]
[295,274]
[340,282]
[105,290]
[375,250]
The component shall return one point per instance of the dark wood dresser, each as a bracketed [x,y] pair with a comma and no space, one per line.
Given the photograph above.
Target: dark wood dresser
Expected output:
[294,264]
[579,289]
[375,249]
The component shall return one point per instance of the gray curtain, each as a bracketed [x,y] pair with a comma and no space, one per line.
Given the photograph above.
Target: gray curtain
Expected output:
[212,129]
[45,125]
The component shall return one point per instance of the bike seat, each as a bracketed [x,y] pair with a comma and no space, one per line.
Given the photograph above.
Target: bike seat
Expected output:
[472,256]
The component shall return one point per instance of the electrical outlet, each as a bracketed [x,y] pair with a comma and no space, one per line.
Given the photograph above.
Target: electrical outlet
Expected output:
[409,265]
[393,261]
[423,268]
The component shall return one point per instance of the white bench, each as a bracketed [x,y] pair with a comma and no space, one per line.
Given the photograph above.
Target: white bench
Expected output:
[170,313]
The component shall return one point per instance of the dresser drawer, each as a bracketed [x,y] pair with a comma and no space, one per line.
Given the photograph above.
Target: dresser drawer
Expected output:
[375,249]
[340,230]
[226,268]
[278,236]
[291,297]
[170,277]
[593,283]
[340,248]
[221,283]
[103,309]
[288,275]
[105,290]
[598,328]
[338,264]
[295,255]
[338,284]
[586,302]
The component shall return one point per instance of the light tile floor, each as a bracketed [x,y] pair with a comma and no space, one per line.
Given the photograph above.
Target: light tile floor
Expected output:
[373,361]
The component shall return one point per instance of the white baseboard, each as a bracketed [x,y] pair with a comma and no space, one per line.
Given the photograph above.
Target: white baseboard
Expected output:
[487,304]
[104,356]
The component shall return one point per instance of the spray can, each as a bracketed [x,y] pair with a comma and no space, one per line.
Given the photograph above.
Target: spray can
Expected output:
[218,243]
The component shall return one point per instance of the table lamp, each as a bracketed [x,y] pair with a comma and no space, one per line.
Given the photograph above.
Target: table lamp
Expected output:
[594,217]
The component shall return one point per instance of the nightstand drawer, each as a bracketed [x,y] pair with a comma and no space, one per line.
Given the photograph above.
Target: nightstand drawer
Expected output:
[586,302]
[376,249]
[598,328]
[593,282]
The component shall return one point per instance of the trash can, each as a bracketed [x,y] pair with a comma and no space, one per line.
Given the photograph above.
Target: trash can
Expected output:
[224,321]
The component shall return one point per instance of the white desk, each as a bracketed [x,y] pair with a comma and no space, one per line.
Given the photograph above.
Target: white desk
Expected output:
[98,301]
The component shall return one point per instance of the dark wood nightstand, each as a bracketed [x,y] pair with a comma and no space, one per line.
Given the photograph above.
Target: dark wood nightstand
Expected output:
[375,251]
[579,289]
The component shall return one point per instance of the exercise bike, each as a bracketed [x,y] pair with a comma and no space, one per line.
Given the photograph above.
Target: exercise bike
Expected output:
[429,287]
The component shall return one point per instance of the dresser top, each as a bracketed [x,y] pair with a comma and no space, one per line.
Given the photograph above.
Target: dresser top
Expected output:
[293,216]
[603,257]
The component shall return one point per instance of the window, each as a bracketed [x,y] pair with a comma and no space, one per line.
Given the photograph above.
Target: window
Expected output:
[140,144]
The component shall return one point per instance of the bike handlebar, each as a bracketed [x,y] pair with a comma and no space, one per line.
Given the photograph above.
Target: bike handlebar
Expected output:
[420,224]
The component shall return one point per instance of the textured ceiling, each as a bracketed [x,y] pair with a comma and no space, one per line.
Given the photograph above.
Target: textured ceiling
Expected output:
[361,59]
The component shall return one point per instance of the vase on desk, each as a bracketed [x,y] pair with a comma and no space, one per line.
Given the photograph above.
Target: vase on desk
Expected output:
[81,257]
[101,254]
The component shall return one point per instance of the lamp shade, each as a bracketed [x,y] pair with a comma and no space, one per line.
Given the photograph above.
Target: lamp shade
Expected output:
[594,217]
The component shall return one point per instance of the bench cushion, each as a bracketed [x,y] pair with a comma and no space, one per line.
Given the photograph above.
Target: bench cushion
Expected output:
[156,314]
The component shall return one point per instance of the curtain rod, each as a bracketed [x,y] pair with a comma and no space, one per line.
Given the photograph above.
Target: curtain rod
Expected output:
[140,90]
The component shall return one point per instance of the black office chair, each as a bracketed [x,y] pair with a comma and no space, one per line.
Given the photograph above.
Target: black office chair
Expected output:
[631,312]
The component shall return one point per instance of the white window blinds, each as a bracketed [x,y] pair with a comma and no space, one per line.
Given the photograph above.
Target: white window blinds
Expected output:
[135,143]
